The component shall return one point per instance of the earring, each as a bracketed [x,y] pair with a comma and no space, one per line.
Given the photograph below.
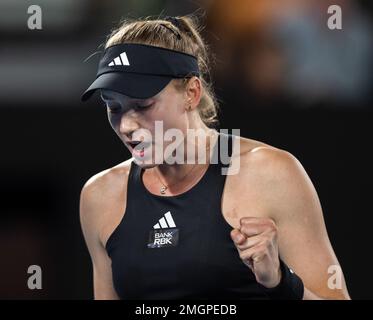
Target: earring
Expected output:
[190,104]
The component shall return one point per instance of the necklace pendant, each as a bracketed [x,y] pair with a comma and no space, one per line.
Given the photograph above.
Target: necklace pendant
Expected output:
[163,190]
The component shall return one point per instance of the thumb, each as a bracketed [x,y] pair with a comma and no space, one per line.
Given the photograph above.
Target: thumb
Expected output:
[237,236]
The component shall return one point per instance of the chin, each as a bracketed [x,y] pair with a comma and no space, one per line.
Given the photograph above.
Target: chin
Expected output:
[143,164]
[149,160]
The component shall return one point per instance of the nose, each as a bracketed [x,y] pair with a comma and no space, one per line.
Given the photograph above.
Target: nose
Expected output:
[128,123]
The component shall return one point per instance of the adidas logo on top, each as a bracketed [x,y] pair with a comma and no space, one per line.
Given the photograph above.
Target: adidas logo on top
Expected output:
[165,222]
[159,237]
[121,60]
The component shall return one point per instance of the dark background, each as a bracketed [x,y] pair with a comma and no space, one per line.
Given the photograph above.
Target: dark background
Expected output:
[51,143]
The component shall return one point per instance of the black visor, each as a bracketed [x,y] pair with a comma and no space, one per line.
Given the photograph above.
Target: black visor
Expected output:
[140,71]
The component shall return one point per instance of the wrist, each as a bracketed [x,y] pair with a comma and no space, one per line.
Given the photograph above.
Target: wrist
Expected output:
[289,287]
[278,278]
[275,281]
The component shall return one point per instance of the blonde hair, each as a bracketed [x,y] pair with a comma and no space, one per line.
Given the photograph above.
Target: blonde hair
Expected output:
[184,37]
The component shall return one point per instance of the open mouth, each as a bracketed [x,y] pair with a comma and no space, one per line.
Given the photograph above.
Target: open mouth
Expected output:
[138,147]
[134,144]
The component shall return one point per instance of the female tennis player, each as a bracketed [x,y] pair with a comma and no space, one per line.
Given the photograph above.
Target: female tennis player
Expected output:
[159,226]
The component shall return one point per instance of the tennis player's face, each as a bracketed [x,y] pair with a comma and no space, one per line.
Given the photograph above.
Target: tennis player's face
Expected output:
[147,120]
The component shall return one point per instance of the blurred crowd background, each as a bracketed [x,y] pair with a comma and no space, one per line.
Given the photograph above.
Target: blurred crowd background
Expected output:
[281,77]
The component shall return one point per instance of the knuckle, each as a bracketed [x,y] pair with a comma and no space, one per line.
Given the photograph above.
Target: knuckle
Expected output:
[245,229]
[271,225]
[233,233]
[243,220]
[247,220]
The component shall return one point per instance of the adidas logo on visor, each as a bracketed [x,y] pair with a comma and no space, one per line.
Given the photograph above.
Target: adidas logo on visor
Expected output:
[165,222]
[121,60]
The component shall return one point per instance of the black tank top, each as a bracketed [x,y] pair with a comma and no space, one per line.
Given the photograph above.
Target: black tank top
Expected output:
[178,247]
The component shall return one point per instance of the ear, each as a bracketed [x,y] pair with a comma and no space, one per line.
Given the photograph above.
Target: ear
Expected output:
[193,93]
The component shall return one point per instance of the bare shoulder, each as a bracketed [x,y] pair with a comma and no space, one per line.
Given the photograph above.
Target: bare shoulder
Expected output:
[107,182]
[265,161]
[101,194]
[281,185]
[264,178]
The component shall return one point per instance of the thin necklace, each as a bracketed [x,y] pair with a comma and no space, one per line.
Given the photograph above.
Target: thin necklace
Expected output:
[164,187]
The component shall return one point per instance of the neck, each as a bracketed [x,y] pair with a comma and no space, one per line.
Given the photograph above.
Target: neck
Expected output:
[197,152]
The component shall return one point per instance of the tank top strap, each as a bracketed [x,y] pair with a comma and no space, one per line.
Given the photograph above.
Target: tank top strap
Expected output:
[220,162]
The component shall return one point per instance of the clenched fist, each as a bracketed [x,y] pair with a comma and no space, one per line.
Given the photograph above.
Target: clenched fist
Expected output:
[256,242]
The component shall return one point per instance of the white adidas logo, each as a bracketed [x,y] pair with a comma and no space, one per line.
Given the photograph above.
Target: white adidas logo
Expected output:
[121,60]
[165,222]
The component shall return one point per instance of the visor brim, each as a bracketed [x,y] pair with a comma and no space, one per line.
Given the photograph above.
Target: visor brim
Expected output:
[138,86]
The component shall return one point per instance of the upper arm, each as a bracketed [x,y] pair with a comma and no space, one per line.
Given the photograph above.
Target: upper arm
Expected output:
[302,236]
[91,206]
